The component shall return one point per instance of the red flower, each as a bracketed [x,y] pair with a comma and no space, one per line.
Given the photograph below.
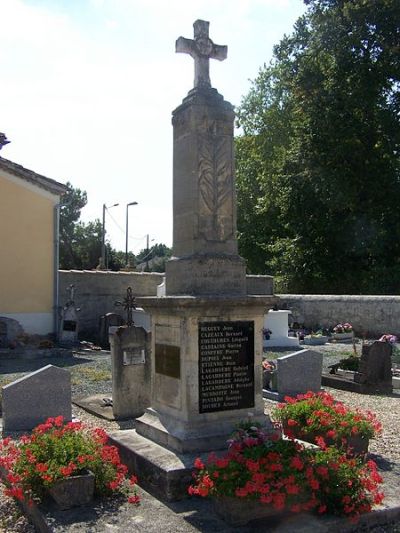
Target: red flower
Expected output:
[297,463]
[134,499]
[292,422]
[198,463]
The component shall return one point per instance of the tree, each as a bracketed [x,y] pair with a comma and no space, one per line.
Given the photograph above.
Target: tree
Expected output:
[80,243]
[154,258]
[318,166]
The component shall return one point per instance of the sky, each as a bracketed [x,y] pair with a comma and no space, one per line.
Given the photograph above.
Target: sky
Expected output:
[87,88]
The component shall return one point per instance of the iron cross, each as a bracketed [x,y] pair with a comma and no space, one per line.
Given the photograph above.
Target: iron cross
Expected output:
[201,49]
[128,304]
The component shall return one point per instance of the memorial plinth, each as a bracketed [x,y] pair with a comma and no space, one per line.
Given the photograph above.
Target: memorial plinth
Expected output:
[206,372]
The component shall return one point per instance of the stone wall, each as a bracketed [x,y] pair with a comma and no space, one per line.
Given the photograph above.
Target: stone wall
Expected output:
[371,316]
[97,291]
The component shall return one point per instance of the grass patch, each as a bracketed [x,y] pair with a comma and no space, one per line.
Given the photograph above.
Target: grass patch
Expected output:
[90,374]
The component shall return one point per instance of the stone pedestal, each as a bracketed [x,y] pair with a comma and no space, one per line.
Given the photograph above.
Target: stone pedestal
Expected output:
[206,372]
[277,323]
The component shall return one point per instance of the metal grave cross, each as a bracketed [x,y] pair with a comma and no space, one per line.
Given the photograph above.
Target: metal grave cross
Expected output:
[128,304]
[201,49]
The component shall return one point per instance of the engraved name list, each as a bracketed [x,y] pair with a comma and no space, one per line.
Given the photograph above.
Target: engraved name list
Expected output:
[226,366]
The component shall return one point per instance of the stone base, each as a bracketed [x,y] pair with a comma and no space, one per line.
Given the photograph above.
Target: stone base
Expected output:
[96,406]
[208,274]
[173,434]
[341,383]
[162,472]
[282,342]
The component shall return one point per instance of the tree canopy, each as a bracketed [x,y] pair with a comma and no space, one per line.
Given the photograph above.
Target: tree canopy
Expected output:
[318,164]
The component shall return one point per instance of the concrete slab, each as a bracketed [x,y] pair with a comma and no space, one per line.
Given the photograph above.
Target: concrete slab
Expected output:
[96,406]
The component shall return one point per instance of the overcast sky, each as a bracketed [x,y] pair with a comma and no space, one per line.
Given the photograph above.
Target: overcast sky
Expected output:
[88,86]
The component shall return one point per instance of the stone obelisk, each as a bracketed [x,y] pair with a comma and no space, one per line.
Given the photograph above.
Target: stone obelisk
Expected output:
[205,252]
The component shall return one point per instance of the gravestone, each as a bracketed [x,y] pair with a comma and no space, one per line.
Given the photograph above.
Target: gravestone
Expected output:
[375,368]
[68,335]
[32,399]
[297,373]
[106,322]
[131,371]
[10,329]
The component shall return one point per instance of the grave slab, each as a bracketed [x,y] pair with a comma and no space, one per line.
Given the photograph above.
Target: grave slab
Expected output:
[32,399]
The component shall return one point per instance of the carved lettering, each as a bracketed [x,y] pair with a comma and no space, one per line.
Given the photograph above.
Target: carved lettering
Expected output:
[226,367]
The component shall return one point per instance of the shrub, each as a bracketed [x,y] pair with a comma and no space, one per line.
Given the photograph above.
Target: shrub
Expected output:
[320,415]
[285,475]
[55,451]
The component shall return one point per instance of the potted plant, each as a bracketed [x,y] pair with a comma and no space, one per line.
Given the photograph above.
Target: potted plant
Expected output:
[269,375]
[343,331]
[69,462]
[320,419]
[261,476]
[315,339]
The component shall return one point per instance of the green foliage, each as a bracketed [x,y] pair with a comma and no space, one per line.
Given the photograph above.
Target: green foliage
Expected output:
[80,242]
[318,163]
[154,258]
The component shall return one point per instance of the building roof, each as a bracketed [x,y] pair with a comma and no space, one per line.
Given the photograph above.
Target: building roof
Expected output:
[19,171]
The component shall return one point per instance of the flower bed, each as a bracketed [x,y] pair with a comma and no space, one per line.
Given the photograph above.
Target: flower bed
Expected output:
[319,418]
[282,475]
[56,451]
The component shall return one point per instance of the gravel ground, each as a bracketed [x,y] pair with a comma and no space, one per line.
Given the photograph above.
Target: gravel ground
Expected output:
[91,374]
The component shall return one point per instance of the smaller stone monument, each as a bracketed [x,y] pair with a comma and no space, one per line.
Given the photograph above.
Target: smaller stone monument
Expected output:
[131,371]
[30,400]
[106,322]
[68,335]
[375,369]
[131,365]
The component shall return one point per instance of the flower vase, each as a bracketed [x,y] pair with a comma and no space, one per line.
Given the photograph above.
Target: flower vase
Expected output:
[73,491]
[240,511]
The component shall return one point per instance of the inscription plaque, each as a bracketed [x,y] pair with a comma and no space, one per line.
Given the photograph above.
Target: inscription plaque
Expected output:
[226,366]
[133,356]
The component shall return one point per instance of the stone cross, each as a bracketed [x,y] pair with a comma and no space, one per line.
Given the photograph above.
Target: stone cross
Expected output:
[201,49]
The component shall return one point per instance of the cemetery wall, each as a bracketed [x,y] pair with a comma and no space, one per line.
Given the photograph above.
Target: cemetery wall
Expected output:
[371,316]
[97,291]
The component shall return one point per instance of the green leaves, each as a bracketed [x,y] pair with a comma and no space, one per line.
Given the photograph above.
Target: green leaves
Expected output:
[318,166]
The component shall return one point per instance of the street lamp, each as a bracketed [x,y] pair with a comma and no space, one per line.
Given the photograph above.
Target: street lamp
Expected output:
[126,233]
[103,238]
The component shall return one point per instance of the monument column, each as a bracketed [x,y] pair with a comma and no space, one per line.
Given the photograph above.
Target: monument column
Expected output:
[206,331]
[205,253]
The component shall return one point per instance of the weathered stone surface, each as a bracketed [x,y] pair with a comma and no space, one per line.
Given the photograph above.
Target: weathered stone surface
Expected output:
[375,369]
[299,372]
[176,420]
[106,322]
[131,371]
[30,400]
[205,250]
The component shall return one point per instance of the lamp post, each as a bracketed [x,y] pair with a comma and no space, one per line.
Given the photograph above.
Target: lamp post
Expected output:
[103,238]
[126,233]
